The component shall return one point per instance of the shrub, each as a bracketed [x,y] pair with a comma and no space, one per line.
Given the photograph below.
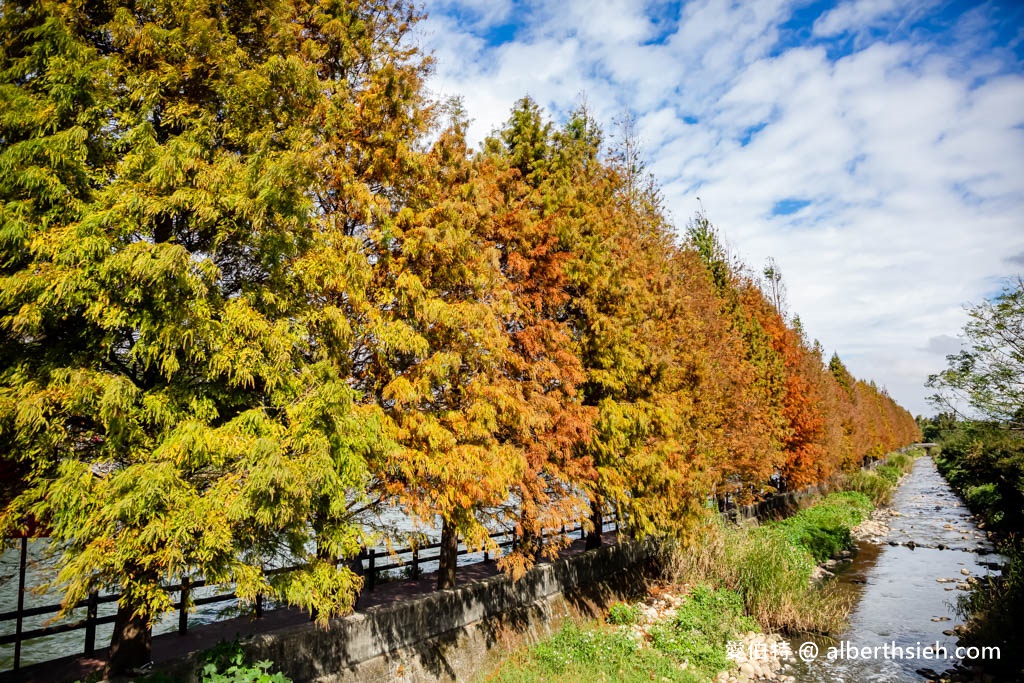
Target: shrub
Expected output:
[622,614]
[225,663]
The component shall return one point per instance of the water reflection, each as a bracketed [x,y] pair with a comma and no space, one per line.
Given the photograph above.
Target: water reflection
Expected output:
[901,601]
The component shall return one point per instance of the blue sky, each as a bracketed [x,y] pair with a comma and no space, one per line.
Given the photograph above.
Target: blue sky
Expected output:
[874,148]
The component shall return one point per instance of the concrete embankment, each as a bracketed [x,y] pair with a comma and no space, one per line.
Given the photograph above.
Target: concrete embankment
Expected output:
[450,635]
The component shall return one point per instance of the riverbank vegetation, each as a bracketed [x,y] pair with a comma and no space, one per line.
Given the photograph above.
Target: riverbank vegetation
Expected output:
[878,483]
[688,646]
[256,288]
[770,565]
[736,577]
[981,438]
[984,465]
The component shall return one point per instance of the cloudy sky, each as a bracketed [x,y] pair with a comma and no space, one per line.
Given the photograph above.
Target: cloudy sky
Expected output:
[874,148]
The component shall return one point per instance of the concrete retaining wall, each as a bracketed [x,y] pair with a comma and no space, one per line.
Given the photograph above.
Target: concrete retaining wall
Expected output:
[779,506]
[450,635]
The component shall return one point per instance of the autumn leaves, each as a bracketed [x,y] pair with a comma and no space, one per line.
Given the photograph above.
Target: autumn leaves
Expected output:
[254,285]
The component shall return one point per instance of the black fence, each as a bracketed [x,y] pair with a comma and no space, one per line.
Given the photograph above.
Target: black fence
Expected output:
[409,559]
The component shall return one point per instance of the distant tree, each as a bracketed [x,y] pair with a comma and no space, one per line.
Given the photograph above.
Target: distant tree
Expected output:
[986,379]
[774,287]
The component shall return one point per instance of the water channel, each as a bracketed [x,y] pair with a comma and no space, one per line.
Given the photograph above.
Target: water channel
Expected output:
[895,581]
[906,586]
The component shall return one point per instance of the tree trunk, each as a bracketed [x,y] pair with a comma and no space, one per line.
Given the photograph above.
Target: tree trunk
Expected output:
[131,642]
[448,556]
[529,541]
[594,536]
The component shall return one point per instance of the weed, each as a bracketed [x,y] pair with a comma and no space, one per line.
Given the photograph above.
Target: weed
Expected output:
[225,663]
[708,618]
[623,615]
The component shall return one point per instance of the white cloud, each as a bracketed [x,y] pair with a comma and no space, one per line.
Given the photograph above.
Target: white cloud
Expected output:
[854,15]
[910,155]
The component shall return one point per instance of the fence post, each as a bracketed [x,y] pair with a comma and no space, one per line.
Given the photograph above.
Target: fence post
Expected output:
[91,609]
[371,569]
[259,605]
[415,563]
[183,608]
[21,602]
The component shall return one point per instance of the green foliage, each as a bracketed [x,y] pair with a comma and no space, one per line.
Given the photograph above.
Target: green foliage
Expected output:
[904,462]
[870,483]
[688,646]
[225,663]
[824,528]
[986,497]
[988,375]
[623,614]
[890,473]
[993,612]
[708,619]
[985,463]
[589,653]
[878,483]
[770,566]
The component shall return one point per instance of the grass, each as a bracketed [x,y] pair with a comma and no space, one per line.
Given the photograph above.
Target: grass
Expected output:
[878,484]
[742,576]
[870,483]
[824,529]
[700,628]
[588,653]
[688,647]
[770,566]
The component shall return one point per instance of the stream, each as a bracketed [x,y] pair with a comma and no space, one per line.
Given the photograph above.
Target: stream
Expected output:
[905,587]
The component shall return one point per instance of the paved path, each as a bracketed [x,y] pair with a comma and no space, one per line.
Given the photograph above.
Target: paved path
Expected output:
[172,645]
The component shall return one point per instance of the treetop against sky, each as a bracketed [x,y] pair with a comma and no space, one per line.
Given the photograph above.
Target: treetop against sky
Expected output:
[874,148]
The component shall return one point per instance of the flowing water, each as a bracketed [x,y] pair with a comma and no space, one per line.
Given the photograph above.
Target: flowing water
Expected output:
[906,587]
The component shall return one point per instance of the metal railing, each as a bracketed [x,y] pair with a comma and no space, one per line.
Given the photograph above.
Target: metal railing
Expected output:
[411,557]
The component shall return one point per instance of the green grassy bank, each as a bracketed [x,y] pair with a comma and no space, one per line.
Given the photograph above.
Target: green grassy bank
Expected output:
[736,579]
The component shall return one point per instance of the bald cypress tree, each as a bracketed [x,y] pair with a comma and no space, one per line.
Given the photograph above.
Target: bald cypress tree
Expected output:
[176,376]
